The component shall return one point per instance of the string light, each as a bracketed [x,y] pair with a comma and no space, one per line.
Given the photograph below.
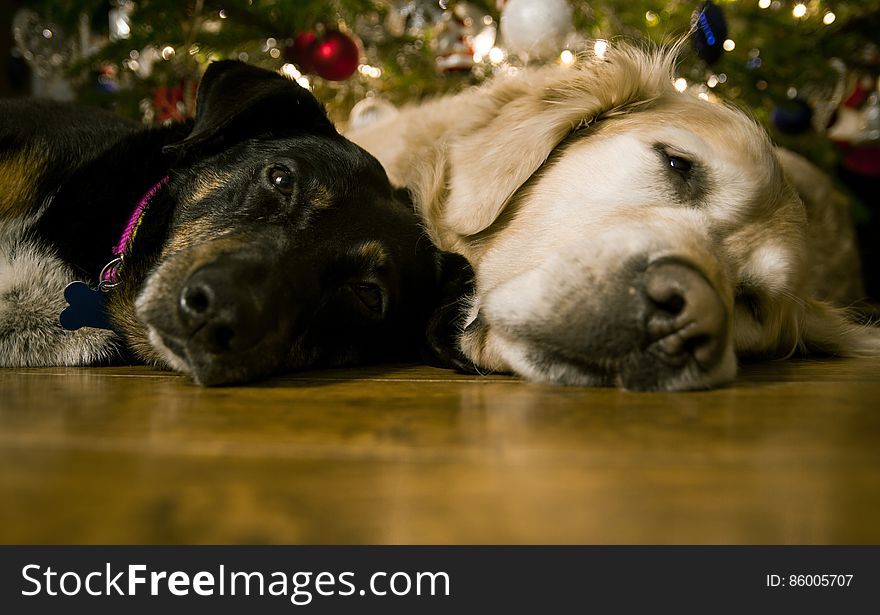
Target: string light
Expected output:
[483,42]
[496,55]
[485,52]
[370,71]
[290,71]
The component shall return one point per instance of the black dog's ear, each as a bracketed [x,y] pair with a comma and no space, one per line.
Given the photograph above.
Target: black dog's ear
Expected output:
[238,101]
[440,345]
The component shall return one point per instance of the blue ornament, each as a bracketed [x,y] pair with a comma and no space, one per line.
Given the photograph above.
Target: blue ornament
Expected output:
[792,117]
[709,31]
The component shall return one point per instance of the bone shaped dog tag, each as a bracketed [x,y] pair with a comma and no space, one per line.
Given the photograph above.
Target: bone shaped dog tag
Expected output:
[85,307]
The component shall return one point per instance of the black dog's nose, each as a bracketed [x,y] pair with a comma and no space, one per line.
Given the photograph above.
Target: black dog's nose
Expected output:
[219,309]
[685,317]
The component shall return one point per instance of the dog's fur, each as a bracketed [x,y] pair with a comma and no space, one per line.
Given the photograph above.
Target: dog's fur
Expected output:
[276,243]
[606,214]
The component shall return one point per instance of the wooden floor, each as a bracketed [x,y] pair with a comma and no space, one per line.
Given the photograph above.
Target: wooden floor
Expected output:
[789,454]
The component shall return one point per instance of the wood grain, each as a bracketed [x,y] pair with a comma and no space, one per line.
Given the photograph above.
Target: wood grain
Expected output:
[406,454]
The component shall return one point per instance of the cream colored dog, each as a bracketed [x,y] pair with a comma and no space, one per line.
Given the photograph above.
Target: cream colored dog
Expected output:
[623,233]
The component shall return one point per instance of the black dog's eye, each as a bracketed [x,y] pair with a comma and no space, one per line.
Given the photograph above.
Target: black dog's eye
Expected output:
[281,179]
[370,295]
[679,164]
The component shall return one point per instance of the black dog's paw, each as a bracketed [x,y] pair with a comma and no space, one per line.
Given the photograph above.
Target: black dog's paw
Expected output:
[440,346]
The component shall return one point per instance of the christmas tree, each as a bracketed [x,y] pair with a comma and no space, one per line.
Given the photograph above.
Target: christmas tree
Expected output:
[119,52]
[797,65]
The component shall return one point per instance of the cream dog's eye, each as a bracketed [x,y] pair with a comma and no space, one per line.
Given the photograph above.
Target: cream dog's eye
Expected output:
[749,299]
[679,164]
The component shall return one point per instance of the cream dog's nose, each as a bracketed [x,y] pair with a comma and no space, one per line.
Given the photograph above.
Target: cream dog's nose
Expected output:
[685,317]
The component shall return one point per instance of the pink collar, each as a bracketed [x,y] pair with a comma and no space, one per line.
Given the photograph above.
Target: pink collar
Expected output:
[110,273]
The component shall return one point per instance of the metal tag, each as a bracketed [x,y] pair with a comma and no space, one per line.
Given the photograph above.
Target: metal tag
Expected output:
[86,307]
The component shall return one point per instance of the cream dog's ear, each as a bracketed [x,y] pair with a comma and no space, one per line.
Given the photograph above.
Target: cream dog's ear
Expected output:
[522,119]
[834,272]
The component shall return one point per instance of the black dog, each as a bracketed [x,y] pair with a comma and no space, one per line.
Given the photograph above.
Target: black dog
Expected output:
[254,241]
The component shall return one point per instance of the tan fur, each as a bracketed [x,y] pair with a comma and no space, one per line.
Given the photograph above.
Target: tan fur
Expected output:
[205,185]
[321,197]
[547,182]
[19,174]
[189,235]
[373,253]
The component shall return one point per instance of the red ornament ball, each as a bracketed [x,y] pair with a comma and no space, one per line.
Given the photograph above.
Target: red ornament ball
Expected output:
[299,52]
[335,56]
